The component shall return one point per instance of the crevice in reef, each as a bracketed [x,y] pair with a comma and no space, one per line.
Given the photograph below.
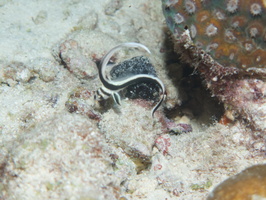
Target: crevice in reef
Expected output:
[196,101]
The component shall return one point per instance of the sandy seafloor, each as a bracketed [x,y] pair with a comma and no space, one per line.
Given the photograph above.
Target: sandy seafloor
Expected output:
[51,148]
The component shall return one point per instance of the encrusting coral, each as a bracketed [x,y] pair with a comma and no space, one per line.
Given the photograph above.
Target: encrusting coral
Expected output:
[232,32]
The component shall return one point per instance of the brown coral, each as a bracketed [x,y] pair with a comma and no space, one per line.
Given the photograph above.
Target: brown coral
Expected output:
[232,32]
[247,185]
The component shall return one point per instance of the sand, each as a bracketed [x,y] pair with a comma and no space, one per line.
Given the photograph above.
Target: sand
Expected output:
[56,142]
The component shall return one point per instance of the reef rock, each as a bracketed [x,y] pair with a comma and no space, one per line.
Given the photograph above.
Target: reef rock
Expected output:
[225,42]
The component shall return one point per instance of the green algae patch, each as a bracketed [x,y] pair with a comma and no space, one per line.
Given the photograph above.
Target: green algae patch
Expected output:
[202,186]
